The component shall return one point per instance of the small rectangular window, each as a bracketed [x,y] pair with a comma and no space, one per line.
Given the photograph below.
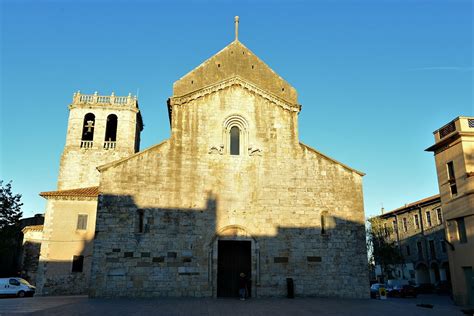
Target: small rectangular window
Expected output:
[280,259]
[440,216]
[77,263]
[395,226]
[432,249]
[452,179]
[385,229]
[405,224]
[81,222]
[419,248]
[461,226]
[428,218]
[417,221]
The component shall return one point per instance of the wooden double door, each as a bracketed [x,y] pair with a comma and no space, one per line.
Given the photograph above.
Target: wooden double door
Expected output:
[233,257]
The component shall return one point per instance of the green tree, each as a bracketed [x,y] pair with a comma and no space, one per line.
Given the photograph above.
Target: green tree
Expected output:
[10,214]
[382,248]
[10,206]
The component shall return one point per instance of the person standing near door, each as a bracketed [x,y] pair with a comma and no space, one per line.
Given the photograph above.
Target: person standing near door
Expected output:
[242,286]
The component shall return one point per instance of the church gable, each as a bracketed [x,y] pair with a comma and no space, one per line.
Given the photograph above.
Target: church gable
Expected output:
[235,60]
[312,151]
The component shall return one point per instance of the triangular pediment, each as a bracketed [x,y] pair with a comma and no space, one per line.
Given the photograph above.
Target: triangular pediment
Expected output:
[234,81]
[235,60]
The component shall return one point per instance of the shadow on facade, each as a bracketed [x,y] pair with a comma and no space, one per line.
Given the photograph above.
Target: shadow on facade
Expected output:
[149,251]
[68,276]
[29,260]
[428,255]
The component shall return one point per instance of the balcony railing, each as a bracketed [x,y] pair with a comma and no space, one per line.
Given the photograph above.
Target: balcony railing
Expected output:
[79,98]
[87,144]
[109,144]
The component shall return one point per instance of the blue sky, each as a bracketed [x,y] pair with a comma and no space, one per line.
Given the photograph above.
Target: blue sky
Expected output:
[375,77]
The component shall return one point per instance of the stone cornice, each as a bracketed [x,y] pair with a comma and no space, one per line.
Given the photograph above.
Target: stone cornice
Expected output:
[236,80]
[102,106]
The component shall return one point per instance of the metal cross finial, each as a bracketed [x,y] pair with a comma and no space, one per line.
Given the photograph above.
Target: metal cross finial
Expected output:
[236,19]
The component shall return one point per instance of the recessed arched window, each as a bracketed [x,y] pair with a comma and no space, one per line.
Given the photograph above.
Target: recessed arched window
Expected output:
[234,140]
[88,127]
[235,135]
[111,128]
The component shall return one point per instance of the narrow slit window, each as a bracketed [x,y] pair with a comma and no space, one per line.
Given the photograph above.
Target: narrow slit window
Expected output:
[323,223]
[417,221]
[140,221]
[461,228]
[452,179]
[235,141]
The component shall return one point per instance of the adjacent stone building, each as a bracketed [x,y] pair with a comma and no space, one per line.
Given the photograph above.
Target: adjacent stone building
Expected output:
[454,157]
[232,190]
[31,245]
[418,230]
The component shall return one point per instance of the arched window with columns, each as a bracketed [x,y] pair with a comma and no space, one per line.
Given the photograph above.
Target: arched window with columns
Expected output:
[235,135]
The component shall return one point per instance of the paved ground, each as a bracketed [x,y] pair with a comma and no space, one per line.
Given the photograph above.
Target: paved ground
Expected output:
[81,305]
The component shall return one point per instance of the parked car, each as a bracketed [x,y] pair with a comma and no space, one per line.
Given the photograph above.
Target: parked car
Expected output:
[374,289]
[424,288]
[16,287]
[443,287]
[402,291]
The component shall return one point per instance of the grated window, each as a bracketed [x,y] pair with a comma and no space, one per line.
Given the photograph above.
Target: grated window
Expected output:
[447,129]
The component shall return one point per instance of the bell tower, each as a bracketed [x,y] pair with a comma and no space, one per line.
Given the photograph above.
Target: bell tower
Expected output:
[101,129]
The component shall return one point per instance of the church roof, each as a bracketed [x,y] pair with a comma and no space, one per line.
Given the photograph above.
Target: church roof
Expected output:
[332,159]
[81,192]
[235,60]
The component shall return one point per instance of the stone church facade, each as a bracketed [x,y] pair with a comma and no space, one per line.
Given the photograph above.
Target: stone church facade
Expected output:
[232,190]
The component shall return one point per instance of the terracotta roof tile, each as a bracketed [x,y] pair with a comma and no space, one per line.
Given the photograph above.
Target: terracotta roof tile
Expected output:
[84,192]
[32,228]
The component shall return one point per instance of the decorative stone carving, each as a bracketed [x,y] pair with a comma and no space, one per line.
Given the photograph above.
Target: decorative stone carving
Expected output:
[254,151]
[216,150]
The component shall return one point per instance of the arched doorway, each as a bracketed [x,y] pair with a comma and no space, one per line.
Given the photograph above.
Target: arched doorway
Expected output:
[233,251]
[422,275]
